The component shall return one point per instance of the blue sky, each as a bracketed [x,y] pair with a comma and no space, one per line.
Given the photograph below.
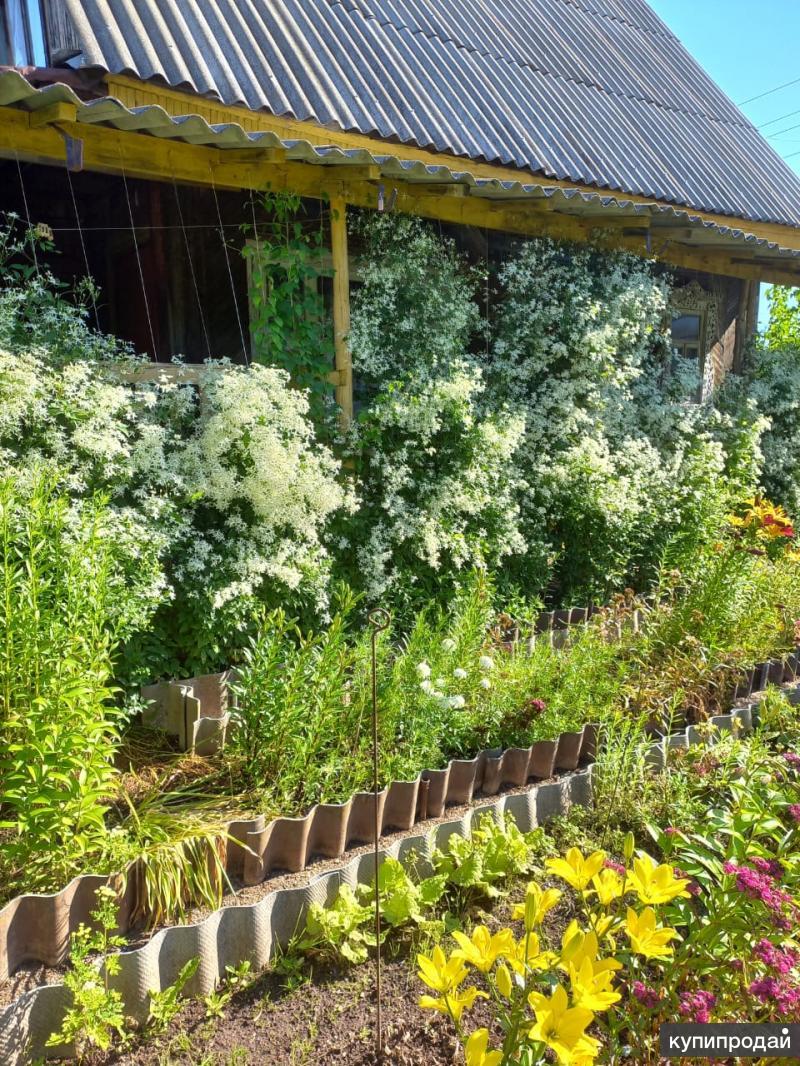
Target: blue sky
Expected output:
[748,47]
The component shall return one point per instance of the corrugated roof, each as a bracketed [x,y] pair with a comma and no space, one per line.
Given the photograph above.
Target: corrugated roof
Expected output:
[598,92]
[705,235]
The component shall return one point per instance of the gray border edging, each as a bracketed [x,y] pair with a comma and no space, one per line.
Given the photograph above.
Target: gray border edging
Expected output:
[252,932]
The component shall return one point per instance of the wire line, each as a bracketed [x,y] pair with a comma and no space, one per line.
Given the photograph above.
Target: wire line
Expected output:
[769,92]
[138,256]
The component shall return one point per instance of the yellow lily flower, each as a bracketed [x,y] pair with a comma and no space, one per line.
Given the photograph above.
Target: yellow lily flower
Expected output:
[476,1053]
[602,924]
[655,884]
[608,885]
[440,973]
[592,989]
[484,948]
[503,980]
[576,870]
[645,937]
[453,1003]
[523,963]
[561,1027]
[537,903]
[577,946]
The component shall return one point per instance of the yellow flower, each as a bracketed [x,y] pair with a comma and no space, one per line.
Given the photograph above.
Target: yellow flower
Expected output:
[577,946]
[655,884]
[503,979]
[485,948]
[592,988]
[602,924]
[537,903]
[476,1053]
[453,1003]
[608,885]
[561,1027]
[576,870]
[440,973]
[527,956]
[646,939]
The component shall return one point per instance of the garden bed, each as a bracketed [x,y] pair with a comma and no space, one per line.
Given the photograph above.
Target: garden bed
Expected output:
[220,943]
[324,1012]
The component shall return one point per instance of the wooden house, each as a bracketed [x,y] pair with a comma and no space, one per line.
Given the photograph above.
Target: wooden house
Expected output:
[137,130]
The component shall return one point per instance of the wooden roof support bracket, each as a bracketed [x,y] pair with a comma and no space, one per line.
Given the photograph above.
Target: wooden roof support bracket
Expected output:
[341,309]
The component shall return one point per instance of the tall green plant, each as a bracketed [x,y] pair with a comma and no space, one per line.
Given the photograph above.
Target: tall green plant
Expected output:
[59,728]
[289,324]
[783,330]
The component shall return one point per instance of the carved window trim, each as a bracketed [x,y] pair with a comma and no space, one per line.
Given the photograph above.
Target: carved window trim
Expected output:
[693,299]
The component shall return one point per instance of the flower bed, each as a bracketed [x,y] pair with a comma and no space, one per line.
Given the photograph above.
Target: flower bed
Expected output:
[253,933]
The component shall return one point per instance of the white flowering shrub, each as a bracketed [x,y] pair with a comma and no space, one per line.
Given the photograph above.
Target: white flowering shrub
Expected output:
[264,490]
[437,484]
[415,311]
[97,438]
[770,390]
[618,462]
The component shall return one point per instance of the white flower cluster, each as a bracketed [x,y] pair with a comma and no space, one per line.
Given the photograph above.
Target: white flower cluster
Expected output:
[265,487]
[218,496]
[438,488]
[565,439]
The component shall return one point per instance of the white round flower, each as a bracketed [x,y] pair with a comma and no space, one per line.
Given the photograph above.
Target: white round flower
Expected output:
[485,662]
[460,673]
[427,686]
[456,702]
[485,683]
[448,644]
[423,670]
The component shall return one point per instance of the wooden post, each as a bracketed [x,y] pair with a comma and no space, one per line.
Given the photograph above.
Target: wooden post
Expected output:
[341,309]
[746,320]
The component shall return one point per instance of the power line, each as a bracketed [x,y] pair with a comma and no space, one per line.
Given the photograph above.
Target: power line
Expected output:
[791,155]
[787,130]
[780,118]
[769,92]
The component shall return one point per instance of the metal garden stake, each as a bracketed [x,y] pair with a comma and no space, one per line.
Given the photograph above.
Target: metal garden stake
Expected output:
[379,619]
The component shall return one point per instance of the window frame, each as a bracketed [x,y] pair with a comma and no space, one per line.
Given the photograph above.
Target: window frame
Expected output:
[33,24]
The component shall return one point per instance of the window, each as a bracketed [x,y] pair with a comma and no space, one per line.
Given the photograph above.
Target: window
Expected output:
[22,36]
[687,334]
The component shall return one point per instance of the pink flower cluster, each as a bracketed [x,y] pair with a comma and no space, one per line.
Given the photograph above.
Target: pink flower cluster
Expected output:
[697,1006]
[792,759]
[646,995]
[617,867]
[781,960]
[693,888]
[794,811]
[768,866]
[760,884]
[777,992]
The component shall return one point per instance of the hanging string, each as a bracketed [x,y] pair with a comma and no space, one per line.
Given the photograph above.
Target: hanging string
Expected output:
[488,261]
[31,237]
[255,229]
[83,247]
[191,269]
[138,256]
[228,264]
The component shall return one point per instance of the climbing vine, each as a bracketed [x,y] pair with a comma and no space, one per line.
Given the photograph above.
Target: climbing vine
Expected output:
[289,323]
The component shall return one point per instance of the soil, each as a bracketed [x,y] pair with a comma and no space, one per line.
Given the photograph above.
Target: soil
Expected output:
[331,1019]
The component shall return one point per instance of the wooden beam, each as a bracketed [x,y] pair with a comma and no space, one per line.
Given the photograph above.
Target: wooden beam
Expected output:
[352,171]
[341,309]
[157,159]
[62,111]
[253,155]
